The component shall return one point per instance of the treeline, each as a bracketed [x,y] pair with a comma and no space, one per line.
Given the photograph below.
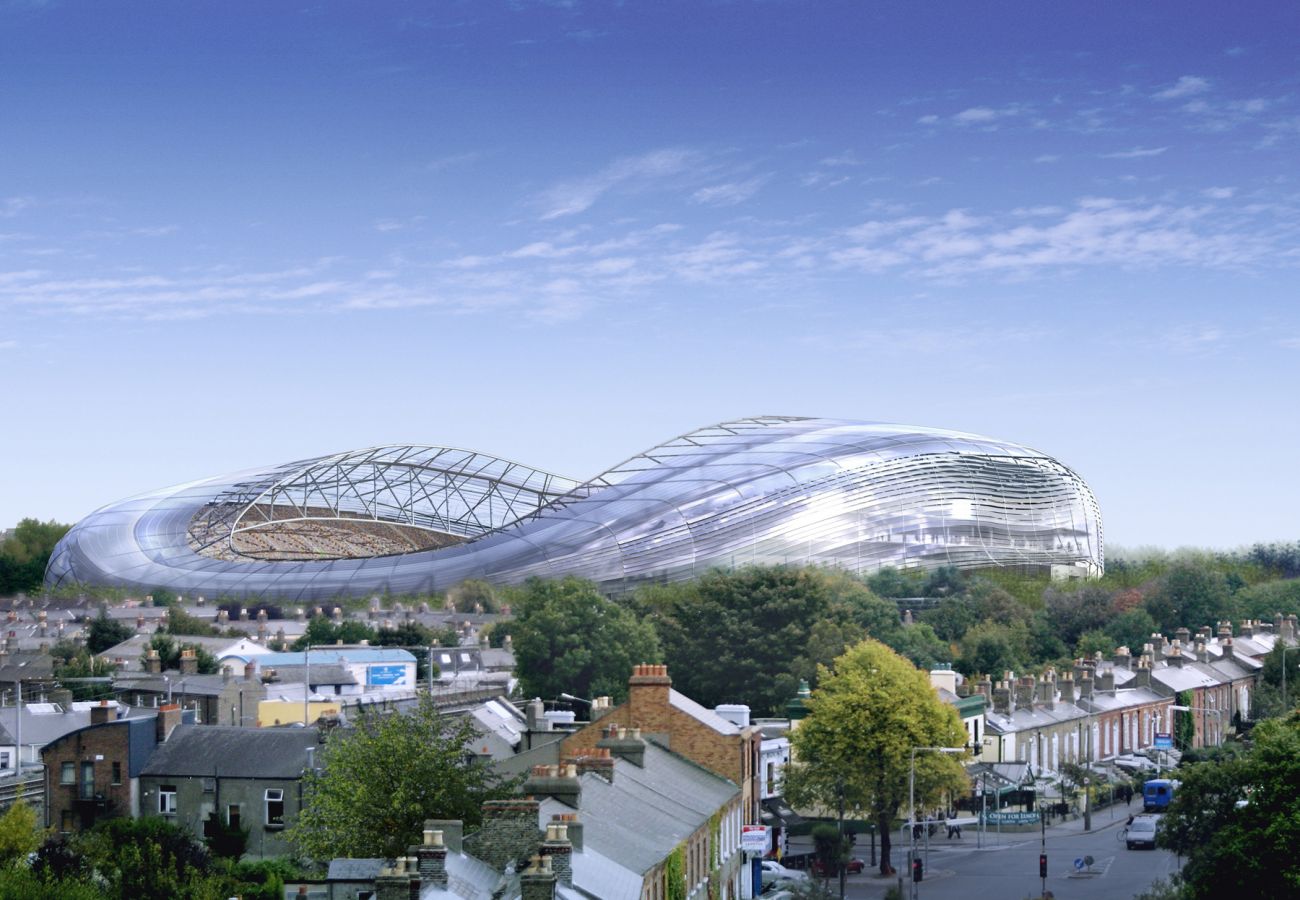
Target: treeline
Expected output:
[750,636]
[24,555]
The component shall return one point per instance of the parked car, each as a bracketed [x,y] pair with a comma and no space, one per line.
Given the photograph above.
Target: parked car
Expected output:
[1141,832]
[773,871]
[853,867]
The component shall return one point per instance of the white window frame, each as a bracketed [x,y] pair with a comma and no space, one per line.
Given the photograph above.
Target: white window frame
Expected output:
[167,800]
[273,795]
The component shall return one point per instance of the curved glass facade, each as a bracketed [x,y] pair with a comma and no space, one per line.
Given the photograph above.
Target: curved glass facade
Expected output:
[771,490]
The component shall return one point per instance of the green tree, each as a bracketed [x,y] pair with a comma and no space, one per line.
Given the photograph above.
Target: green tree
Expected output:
[890,582]
[737,637]
[169,653]
[1131,629]
[25,553]
[1246,850]
[141,858]
[321,631]
[1074,612]
[1094,641]
[1190,595]
[864,720]
[380,780]
[1263,601]
[569,639]
[181,622]
[75,662]
[20,833]
[991,648]
[921,646]
[474,595]
[1184,722]
[103,632]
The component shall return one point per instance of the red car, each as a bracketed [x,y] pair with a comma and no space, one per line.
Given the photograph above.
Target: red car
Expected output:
[853,867]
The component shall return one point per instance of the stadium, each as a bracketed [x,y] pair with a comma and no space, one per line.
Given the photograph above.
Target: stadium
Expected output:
[769,490]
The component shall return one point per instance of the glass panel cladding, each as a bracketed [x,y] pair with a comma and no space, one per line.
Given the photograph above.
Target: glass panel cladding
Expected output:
[770,490]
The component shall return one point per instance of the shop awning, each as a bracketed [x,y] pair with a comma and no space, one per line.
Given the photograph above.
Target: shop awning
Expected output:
[776,813]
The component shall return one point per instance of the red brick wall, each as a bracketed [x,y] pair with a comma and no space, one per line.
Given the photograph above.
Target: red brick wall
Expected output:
[86,745]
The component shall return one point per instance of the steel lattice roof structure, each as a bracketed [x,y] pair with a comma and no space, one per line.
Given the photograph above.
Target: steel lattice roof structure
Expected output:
[766,490]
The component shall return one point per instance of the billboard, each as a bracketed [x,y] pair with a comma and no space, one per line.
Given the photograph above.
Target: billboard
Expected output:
[386,675]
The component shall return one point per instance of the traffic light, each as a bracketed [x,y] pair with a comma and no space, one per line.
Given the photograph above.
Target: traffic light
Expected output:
[916,869]
[1042,865]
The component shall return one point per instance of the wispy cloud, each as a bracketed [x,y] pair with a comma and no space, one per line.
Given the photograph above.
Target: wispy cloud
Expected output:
[730,194]
[12,206]
[1219,193]
[8,345]
[573,197]
[1135,153]
[1187,86]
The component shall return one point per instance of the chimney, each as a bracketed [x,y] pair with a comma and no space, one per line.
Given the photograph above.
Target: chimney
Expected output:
[1123,658]
[1291,628]
[735,713]
[1025,692]
[1228,651]
[1247,629]
[243,613]
[626,744]
[1199,652]
[1066,684]
[1002,699]
[601,707]
[537,882]
[189,662]
[1225,630]
[1105,680]
[508,644]
[1157,646]
[169,716]
[1174,655]
[984,687]
[507,834]
[432,858]
[300,614]
[200,601]
[153,662]
[1142,674]
[223,617]
[104,713]
[559,851]
[599,760]
[1183,636]
[1046,692]
[647,692]
[535,715]
[392,884]
[336,614]
[573,826]
[453,832]
[139,623]
[1085,686]
[559,782]
[250,671]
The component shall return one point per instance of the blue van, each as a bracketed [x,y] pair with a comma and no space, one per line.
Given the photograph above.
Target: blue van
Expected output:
[1156,795]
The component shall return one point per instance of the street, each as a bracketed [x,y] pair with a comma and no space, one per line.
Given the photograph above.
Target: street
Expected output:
[1007,866]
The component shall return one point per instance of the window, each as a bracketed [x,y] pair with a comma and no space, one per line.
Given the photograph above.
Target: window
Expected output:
[167,800]
[209,785]
[68,773]
[4,759]
[232,815]
[117,773]
[87,791]
[67,821]
[274,808]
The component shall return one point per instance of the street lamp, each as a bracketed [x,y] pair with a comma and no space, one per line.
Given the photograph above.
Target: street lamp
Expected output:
[911,804]
[1285,651]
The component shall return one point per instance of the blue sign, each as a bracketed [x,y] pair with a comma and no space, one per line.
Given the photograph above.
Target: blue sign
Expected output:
[386,675]
[1164,741]
[1078,864]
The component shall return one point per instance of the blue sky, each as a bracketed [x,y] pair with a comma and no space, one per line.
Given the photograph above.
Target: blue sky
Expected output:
[234,234]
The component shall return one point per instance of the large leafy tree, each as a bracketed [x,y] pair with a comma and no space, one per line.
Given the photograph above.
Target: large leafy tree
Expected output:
[568,638]
[380,780]
[103,632]
[24,554]
[864,719]
[1246,850]
[741,637]
[1191,595]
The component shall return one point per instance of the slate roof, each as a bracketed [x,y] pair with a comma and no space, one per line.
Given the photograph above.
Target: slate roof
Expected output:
[340,655]
[226,751]
[344,869]
[701,714]
[632,824]
[467,878]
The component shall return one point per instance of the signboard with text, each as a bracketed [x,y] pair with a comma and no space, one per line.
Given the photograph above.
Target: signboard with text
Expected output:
[392,675]
[1011,818]
[753,838]
[1164,741]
